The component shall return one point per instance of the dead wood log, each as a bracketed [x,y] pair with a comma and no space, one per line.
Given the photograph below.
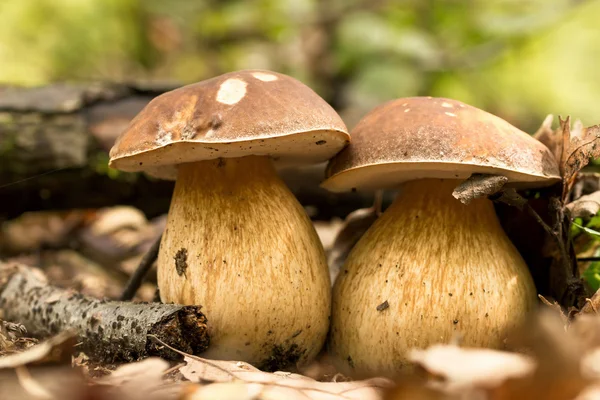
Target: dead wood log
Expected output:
[107,330]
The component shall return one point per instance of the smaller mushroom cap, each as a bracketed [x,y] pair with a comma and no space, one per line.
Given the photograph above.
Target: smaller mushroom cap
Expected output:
[242,113]
[426,137]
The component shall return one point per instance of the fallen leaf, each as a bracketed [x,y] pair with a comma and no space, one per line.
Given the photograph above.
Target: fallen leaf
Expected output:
[478,185]
[149,370]
[33,230]
[112,219]
[57,349]
[462,368]
[578,149]
[142,380]
[291,389]
[31,386]
[585,207]
[284,385]
[354,226]
[548,137]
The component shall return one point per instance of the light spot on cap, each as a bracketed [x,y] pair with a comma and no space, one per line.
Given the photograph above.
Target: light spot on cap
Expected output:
[407,110]
[231,91]
[163,137]
[209,133]
[450,114]
[264,77]
[447,105]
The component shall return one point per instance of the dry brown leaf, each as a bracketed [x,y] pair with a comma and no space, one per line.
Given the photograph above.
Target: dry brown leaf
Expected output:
[143,380]
[354,226]
[31,386]
[328,231]
[585,207]
[291,389]
[110,220]
[149,370]
[478,185]
[57,349]
[548,137]
[33,230]
[461,369]
[277,385]
[578,149]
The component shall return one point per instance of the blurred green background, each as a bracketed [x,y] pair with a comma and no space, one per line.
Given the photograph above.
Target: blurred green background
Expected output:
[520,59]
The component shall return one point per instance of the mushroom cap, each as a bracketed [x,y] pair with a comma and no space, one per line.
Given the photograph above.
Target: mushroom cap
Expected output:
[241,113]
[426,137]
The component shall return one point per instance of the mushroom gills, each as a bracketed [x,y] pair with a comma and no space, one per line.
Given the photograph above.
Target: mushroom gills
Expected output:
[239,244]
[444,269]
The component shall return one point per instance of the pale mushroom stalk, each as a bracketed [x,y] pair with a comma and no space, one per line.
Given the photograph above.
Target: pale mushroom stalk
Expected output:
[440,267]
[239,243]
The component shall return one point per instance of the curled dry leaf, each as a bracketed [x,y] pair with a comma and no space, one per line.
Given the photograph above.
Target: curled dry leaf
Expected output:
[478,185]
[57,349]
[577,151]
[147,372]
[143,380]
[548,137]
[585,207]
[354,226]
[245,381]
[460,369]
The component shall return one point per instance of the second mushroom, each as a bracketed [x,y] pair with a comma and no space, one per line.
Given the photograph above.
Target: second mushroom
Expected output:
[430,267]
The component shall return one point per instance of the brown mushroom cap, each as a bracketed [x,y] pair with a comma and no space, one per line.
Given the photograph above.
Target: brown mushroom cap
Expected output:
[425,137]
[242,113]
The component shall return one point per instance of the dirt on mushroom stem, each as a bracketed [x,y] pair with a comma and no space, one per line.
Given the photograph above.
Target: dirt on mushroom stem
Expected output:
[252,259]
[443,269]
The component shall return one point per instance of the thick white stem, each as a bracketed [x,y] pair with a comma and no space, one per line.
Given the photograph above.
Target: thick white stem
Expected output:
[238,243]
[445,269]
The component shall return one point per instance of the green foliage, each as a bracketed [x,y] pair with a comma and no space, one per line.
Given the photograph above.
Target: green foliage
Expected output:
[592,228]
[592,274]
[521,59]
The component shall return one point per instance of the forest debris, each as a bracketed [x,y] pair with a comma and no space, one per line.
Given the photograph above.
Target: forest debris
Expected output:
[112,219]
[107,330]
[478,185]
[146,371]
[355,225]
[57,349]
[116,234]
[35,230]
[142,380]
[70,269]
[578,148]
[137,278]
[328,231]
[548,137]
[592,305]
[585,207]
[463,368]
[31,386]
[246,381]
[511,197]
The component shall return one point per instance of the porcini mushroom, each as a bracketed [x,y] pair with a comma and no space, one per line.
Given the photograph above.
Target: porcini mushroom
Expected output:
[237,241]
[430,267]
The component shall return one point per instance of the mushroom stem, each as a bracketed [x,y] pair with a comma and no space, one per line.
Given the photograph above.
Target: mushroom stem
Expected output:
[238,243]
[429,269]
